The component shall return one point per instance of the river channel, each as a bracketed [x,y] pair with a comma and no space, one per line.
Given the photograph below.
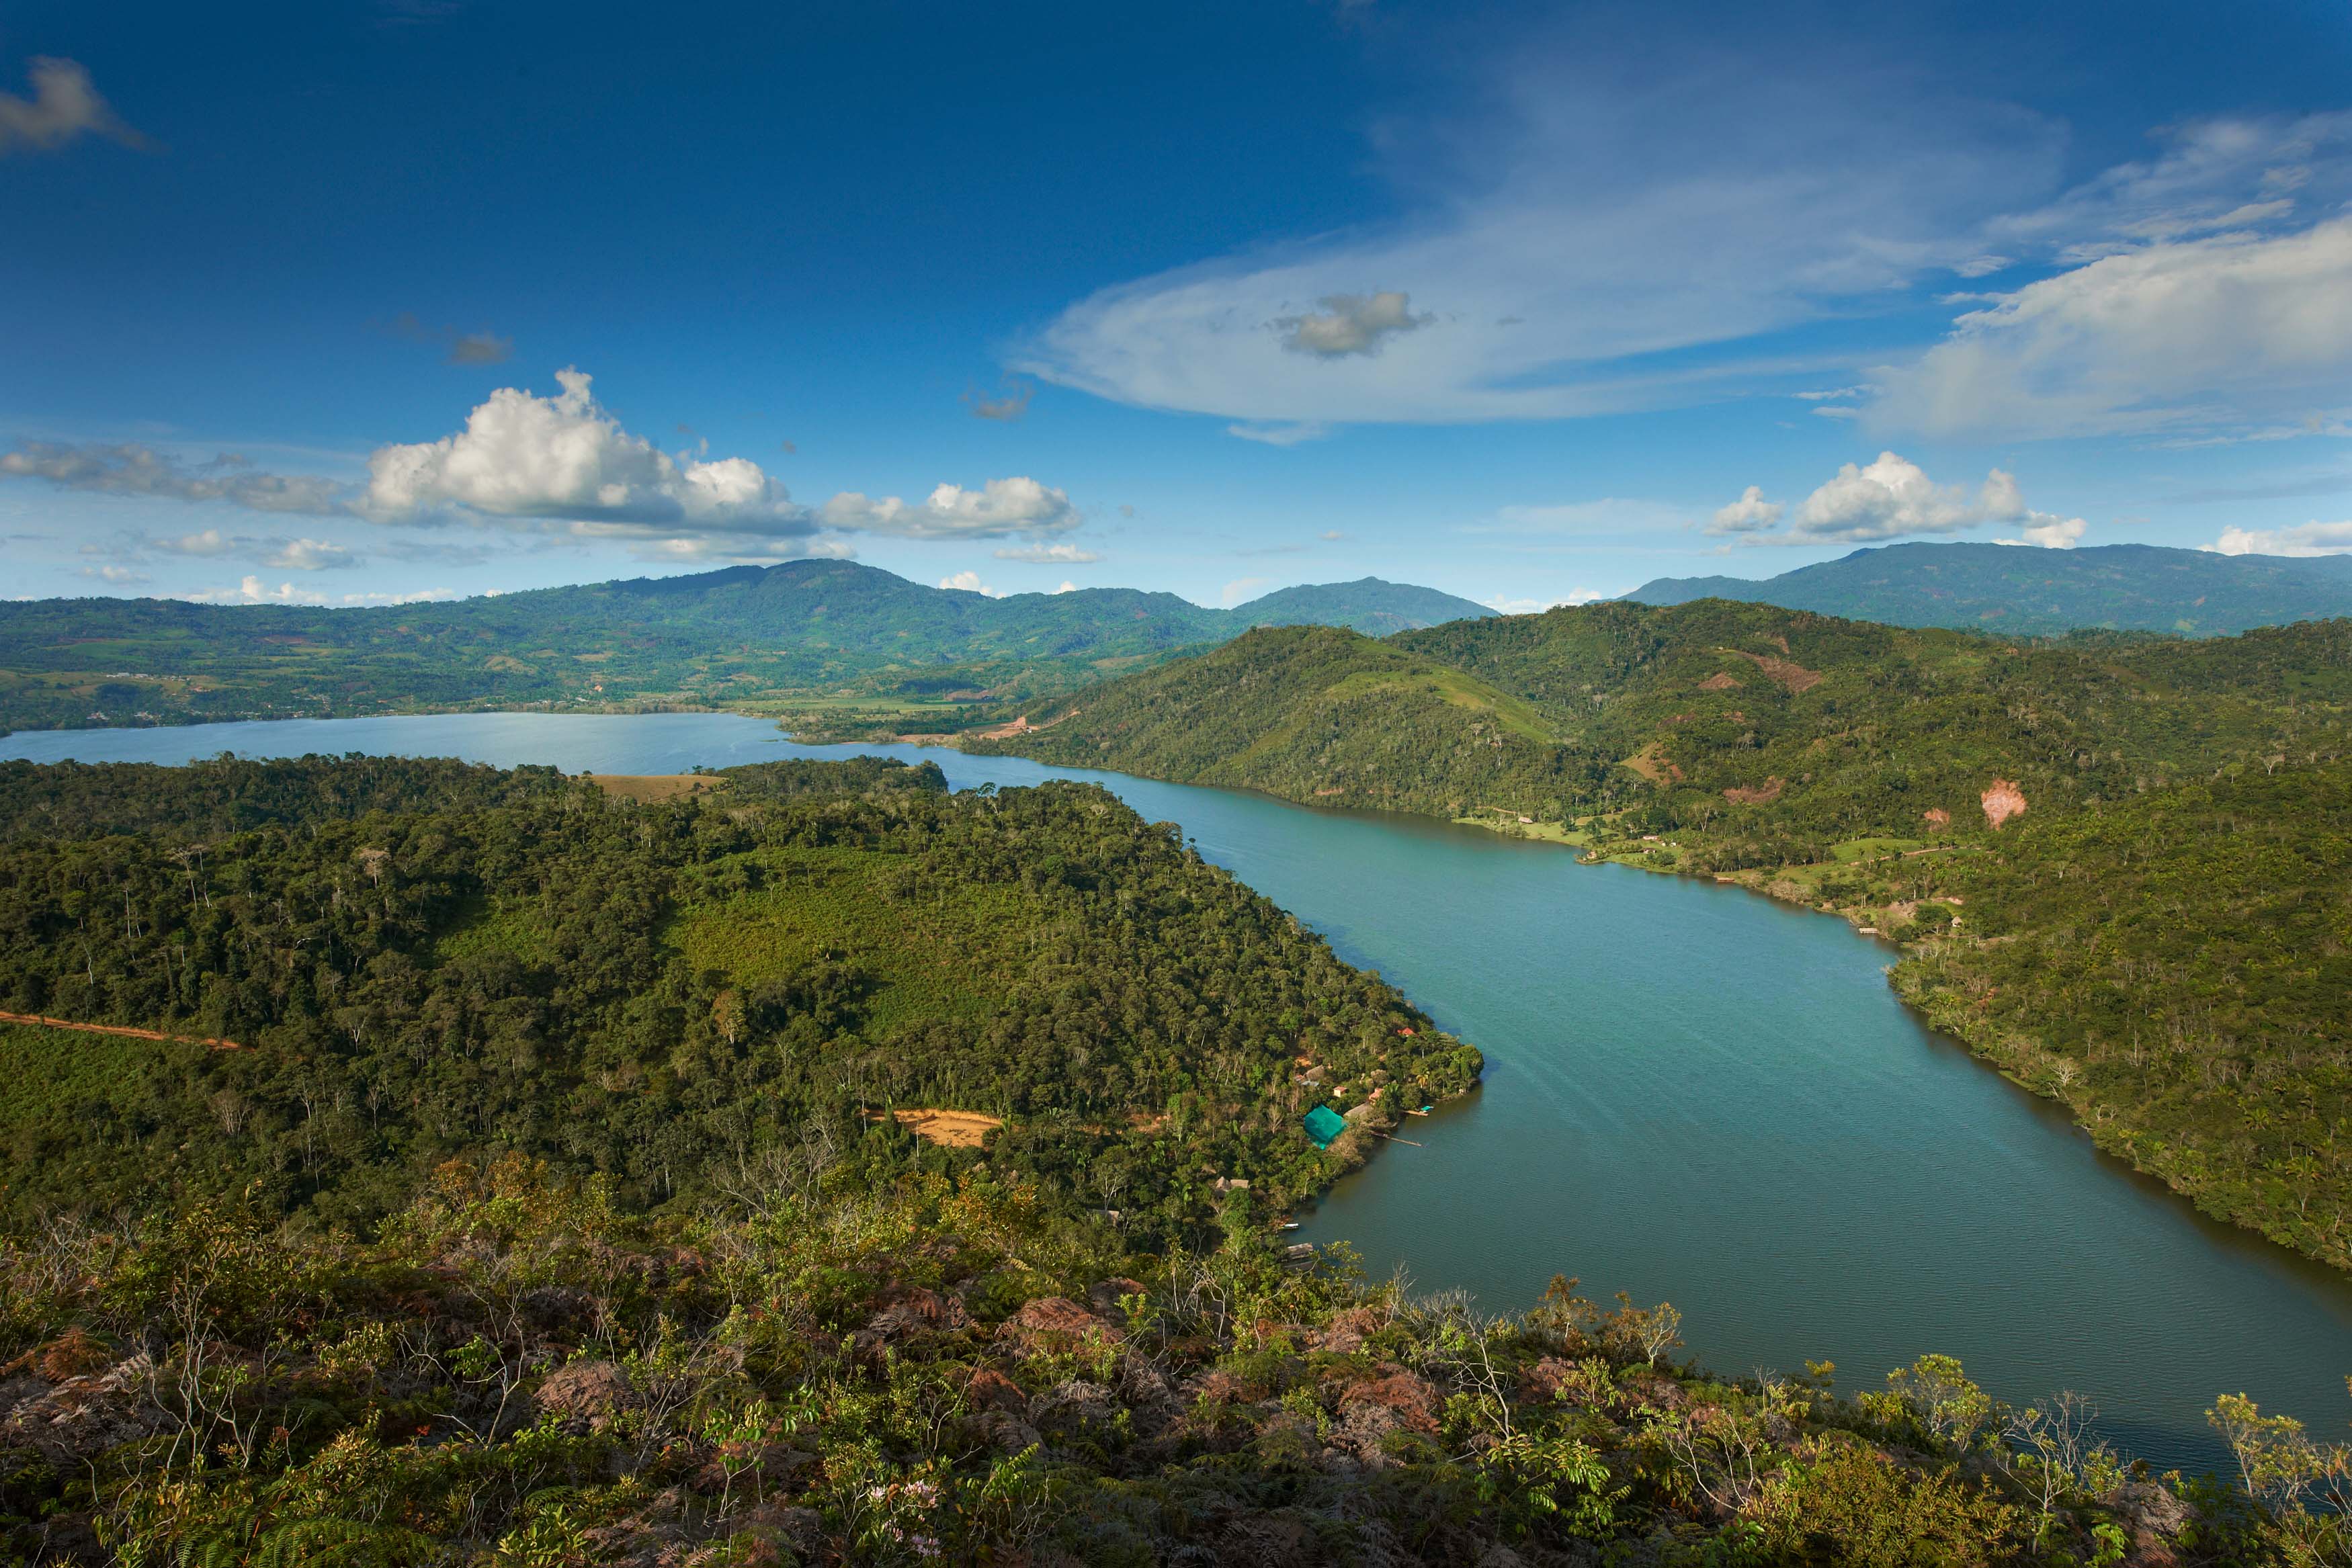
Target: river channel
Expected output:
[1693,1094]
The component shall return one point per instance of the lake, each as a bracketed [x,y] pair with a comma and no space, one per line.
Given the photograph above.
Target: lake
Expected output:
[1693,1094]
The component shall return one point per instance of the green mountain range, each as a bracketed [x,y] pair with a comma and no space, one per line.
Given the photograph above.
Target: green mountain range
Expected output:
[2033,592]
[739,638]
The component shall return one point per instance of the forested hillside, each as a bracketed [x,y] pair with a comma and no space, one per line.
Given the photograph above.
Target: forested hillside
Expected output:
[664,995]
[801,635]
[2027,592]
[1872,769]
[541,1197]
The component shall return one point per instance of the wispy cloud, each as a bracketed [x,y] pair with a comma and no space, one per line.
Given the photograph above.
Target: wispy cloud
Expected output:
[63,108]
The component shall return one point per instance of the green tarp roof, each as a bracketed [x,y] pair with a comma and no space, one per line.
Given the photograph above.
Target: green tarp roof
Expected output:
[1323,1124]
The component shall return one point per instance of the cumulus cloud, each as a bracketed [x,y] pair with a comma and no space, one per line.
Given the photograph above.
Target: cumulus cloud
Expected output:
[129,469]
[1892,497]
[555,468]
[1064,554]
[1748,514]
[969,582]
[2309,539]
[64,106]
[118,575]
[999,508]
[1351,324]
[564,457]
[2050,533]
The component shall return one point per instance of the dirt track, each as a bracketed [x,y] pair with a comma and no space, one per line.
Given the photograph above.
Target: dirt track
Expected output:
[121,1029]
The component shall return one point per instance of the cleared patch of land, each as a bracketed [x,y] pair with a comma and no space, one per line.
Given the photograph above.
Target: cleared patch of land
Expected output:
[949,1129]
[652,788]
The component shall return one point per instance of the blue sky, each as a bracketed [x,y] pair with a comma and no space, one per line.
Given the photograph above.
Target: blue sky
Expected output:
[345,302]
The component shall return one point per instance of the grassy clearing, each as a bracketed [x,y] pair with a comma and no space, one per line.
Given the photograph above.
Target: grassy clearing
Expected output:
[934,948]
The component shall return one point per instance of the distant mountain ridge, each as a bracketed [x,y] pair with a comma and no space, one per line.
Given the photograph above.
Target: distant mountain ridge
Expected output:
[716,638]
[2033,592]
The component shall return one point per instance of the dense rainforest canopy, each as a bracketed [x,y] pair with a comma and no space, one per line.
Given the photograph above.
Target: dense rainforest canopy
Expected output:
[423,958]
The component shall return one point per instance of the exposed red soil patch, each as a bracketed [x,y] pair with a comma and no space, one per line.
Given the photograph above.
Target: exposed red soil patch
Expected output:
[1721,681]
[2002,802]
[1762,794]
[1936,817]
[1021,726]
[1794,676]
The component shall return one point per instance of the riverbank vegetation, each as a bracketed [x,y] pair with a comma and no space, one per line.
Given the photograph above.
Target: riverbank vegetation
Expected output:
[2147,824]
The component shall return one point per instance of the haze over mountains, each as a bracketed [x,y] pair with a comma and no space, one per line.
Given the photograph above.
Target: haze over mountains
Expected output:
[1996,588]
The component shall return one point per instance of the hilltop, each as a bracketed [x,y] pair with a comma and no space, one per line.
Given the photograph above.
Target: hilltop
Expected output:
[2023,593]
[743,637]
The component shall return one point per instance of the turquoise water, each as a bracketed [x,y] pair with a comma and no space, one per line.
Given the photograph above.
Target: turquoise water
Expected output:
[1693,1094]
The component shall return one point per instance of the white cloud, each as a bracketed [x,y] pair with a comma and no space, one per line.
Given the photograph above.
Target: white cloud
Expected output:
[64,106]
[210,542]
[1050,555]
[118,575]
[1240,589]
[2199,330]
[564,458]
[997,509]
[1351,324]
[2309,539]
[1748,514]
[969,582]
[309,555]
[534,462]
[252,592]
[1891,497]
[2054,533]
[1835,393]
[1280,434]
[1067,587]
[1598,203]
[1331,536]
[128,469]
